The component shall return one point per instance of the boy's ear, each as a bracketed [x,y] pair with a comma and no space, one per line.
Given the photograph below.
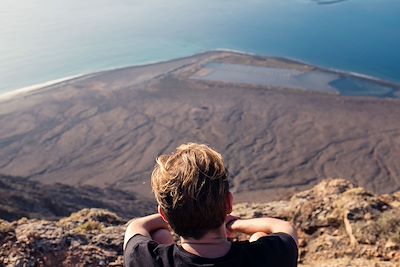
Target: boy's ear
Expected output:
[162,214]
[229,202]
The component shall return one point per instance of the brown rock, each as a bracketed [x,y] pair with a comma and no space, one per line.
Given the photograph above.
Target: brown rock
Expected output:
[94,237]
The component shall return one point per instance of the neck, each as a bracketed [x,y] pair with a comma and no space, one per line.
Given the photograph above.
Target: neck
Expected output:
[213,244]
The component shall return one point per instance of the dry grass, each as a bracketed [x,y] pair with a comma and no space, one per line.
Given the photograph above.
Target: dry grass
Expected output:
[89,226]
[386,227]
[5,226]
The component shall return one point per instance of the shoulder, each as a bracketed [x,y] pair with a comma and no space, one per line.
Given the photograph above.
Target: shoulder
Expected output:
[143,251]
[278,249]
[139,240]
[283,248]
[285,240]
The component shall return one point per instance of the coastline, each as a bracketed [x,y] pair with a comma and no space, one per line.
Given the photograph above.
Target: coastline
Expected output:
[38,86]
[31,88]
[35,87]
[83,131]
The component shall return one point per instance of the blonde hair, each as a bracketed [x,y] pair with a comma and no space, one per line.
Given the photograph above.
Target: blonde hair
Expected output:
[191,187]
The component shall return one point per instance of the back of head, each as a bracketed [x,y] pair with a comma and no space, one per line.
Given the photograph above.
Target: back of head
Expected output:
[191,187]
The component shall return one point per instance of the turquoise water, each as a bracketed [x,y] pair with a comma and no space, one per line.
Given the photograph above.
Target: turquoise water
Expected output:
[42,40]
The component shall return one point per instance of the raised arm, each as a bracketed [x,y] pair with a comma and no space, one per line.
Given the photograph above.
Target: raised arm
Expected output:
[259,227]
[152,226]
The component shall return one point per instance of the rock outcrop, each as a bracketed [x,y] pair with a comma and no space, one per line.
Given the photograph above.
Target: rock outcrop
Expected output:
[338,224]
[90,237]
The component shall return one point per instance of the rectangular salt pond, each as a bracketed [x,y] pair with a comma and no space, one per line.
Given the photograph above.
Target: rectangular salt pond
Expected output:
[316,81]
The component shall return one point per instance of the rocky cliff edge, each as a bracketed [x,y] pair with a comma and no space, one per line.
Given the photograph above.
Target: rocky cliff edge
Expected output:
[338,224]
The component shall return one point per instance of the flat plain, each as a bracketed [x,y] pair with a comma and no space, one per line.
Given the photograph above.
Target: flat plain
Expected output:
[106,129]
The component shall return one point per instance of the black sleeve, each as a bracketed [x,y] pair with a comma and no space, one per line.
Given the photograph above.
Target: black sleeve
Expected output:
[140,251]
[281,247]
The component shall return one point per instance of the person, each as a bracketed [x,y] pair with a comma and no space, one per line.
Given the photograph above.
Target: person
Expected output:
[192,191]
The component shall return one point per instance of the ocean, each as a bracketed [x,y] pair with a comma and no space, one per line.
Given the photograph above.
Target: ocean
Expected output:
[44,40]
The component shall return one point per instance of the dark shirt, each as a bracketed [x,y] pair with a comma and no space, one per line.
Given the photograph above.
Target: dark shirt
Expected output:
[274,250]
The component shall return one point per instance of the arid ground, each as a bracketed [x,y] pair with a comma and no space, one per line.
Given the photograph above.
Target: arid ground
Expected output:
[107,128]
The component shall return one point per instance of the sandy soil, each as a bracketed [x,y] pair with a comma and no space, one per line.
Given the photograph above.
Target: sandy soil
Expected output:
[106,129]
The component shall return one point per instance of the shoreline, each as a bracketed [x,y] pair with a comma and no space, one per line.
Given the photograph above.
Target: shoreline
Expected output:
[35,87]
[31,88]
[88,131]
[38,86]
